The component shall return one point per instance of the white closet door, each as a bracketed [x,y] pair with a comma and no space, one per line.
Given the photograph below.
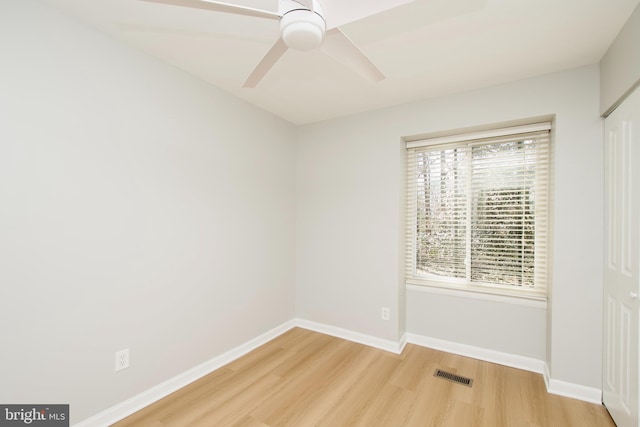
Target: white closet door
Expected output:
[621,360]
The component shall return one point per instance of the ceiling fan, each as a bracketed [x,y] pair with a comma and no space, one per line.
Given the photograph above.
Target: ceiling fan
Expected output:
[302,27]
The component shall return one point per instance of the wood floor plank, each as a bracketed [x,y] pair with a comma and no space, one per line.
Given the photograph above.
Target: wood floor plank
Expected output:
[305,388]
[303,378]
[356,399]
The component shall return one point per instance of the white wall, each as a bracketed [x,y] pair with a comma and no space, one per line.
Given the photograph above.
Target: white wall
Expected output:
[620,66]
[349,189]
[140,208]
[348,220]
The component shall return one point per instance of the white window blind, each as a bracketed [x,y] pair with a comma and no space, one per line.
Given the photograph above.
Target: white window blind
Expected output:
[478,211]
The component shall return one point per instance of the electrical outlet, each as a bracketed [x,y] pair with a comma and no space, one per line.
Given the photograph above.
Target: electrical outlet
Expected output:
[122,359]
[384,313]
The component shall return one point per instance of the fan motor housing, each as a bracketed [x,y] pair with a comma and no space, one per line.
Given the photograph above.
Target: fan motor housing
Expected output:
[302,29]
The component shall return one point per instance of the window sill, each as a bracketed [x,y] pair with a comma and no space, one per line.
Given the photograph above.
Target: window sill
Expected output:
[479,294]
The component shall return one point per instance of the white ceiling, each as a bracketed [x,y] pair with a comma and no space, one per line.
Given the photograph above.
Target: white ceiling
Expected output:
[426,48]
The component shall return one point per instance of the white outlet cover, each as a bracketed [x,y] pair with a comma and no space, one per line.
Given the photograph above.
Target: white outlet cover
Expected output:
[122,359]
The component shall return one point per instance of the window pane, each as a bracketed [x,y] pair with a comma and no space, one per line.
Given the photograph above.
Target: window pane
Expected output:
[441,213]
[503,209]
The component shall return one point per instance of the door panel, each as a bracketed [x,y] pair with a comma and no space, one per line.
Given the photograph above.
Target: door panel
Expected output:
[621,361]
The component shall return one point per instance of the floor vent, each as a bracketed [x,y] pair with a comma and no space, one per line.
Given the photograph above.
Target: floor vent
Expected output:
[453,377]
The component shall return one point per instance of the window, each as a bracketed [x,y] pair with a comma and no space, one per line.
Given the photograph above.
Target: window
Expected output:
[478,211]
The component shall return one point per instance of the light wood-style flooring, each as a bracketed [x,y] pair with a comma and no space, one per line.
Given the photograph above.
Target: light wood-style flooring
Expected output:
[304,378]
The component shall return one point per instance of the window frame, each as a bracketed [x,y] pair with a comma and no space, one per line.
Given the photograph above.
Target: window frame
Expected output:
[468,139]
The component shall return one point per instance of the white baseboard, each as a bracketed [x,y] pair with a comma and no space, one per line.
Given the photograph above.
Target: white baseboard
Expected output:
[346,334]
[575,391]
[152,395]
[562,388]
[506,359]
[403,342]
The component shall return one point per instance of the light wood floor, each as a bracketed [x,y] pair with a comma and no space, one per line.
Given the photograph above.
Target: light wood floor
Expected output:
[304,378]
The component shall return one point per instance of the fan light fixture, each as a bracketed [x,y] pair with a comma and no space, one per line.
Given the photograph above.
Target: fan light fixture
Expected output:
[302,29]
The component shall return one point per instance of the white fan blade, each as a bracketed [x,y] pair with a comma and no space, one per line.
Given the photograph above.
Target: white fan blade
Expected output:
[263,67]
[338,46]
[219,7]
